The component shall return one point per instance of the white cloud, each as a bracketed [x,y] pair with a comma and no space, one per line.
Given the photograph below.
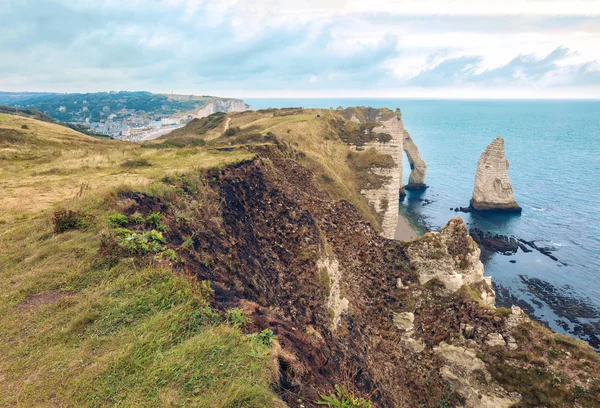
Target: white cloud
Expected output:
[311,46]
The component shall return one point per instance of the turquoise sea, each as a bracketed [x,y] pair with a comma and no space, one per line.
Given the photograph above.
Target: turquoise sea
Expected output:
[554,152]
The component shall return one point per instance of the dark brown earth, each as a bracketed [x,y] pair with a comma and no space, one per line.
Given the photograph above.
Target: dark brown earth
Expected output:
[259,248]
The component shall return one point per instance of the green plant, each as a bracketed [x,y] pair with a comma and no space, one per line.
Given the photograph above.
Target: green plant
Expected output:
[136,163]
[118,220]
[236,317]
[265,337]
[141,243]
[65,220]
[188,243]
[138,219]
[342,398]
[155,221]
[170,254]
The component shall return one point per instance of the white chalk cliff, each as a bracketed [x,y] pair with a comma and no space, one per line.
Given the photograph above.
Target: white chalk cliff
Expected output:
[452,257]
[418,168]
[493,190]
[385,199]
[222,105]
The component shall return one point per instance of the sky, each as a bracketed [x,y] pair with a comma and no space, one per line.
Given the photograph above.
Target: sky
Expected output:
[311,48]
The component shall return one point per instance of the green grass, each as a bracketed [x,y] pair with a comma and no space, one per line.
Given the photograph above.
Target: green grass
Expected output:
[81,329]
[114,335]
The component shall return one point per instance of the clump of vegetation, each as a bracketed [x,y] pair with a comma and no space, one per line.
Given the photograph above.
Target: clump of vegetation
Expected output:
[25,127]
[231,131]
[236,317]
[66,220]
[265,337]
[141,243]
[136,163]
[363,164]
[359,134]
[118,220]
[137,219]
[154,220]
[342,398]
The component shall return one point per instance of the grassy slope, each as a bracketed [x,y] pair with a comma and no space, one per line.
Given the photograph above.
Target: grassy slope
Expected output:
[75,331]
[315,138]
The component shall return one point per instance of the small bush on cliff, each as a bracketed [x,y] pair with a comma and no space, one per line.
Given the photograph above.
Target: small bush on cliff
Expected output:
[155,221]
[118,220]
[236,317]
[342,398]
[66,220]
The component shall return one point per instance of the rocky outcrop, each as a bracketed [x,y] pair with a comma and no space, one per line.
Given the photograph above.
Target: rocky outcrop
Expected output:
[418,168]
[452,257]
[222,105]
[493,190]
[385,199]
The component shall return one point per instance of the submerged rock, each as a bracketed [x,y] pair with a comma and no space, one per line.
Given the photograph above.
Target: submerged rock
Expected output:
[493,190]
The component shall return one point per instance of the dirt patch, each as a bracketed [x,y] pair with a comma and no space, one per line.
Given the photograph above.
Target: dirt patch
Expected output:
[33,302]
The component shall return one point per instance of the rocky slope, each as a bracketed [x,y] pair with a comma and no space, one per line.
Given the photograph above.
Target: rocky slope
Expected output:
[493,190]
[407,324]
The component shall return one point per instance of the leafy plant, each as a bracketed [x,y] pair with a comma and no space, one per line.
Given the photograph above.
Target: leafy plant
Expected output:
[265,337]
[342,398]
[141,243]
[138,219]
[118,220]
[155,221]
[237,318]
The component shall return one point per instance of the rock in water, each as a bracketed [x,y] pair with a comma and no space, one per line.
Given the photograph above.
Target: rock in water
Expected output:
[418,169]
[493,190]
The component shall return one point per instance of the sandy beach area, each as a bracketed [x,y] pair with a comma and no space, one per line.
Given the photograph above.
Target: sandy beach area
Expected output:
[404,231]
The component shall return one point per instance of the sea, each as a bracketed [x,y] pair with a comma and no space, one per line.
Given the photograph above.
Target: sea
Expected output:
[553,148]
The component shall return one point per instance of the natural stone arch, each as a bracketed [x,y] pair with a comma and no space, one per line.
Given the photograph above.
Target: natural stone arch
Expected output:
[418,168]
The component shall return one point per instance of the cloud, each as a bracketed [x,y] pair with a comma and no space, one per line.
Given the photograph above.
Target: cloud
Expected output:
[211,47]
[523,69]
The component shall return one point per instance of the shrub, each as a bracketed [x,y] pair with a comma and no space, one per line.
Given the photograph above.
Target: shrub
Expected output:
[136,163]
[24,127]
[141,243]
[236,317]
[66,220]
[155,221]
[138,219]
[264,337]
[342,398]
[118,220]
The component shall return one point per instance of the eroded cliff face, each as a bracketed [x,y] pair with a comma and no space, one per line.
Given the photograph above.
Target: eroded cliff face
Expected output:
[493,190]
[222,105]
[385,199]
[403,323]
[452,257]
[418,168]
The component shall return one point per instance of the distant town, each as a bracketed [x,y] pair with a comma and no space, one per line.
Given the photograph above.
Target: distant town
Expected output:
[131,116]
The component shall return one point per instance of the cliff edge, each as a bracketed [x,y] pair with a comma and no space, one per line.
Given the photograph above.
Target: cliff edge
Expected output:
[493,190]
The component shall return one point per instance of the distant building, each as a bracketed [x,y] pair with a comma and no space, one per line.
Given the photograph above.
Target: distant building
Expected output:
[169,121]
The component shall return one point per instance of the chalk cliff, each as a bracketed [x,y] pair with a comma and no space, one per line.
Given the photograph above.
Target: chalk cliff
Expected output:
[493,190]
[385,198]
[452,257]
[222,105]
[418,168]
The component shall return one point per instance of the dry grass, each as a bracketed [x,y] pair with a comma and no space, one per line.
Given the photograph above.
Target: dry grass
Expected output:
[54,163]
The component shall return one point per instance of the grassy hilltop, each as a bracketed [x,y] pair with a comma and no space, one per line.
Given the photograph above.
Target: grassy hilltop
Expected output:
[188,271]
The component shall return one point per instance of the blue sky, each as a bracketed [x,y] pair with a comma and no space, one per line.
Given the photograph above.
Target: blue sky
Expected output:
[409,48]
